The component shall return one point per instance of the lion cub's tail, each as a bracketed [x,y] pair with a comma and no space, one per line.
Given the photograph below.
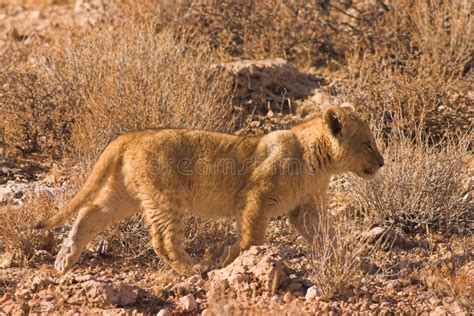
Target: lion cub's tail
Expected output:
[93,184]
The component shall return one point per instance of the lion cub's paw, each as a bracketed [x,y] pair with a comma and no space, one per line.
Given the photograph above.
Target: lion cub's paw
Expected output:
[64,261]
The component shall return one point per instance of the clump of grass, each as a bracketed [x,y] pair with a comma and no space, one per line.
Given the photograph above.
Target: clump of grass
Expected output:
[16,222]
[336,257]
[130,78]
[422,188]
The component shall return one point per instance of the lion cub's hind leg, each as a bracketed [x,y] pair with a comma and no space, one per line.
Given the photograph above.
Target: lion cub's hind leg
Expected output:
[167,234]
[109,207]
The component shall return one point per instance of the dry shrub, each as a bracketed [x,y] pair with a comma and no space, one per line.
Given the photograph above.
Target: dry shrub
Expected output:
[304,32]
[336,258]
[129,78]
[16,222]
[413,67]
[33,117]
[421,188]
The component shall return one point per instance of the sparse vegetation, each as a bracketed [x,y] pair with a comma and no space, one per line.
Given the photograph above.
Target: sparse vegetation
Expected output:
[422,189]
[16,233]
[65,92]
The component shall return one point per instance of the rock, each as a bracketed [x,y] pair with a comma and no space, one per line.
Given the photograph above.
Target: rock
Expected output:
[97,291]
[164,312]
[260,264]
[40,281]
[46,307]
[7,260]
[16,192]
[110,293]
[15,309]
[189,302]
[312,293]
[389,238]
[268,85]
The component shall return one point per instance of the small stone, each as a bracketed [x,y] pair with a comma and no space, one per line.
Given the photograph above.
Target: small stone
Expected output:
[312,293]
[189,302]
[165,312]
[7,260]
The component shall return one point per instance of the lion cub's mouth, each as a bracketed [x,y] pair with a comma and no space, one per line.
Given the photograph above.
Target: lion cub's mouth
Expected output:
[369,172]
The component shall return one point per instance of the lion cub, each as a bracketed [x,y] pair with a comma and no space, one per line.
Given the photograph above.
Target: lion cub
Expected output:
[166,172]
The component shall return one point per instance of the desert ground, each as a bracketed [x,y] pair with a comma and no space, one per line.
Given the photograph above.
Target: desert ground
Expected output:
[76,74]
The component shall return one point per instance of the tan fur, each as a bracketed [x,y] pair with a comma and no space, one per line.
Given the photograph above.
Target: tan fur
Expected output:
[166,172]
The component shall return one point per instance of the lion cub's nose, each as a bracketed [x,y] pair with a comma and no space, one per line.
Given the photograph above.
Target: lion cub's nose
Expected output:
[381,163]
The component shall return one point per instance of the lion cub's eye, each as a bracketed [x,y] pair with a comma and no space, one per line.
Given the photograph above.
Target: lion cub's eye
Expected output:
[369,146]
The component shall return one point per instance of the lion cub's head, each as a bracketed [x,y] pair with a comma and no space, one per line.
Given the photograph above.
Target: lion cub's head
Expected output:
[355,147]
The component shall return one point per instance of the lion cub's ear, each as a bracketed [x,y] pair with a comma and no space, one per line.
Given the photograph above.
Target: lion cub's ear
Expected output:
[348,106]
[333,119]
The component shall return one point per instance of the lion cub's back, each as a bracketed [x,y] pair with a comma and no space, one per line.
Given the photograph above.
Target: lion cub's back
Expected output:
[206,168]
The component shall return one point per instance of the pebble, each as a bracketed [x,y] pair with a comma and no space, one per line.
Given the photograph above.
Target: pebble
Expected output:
[165,312]
[189,302]
[312,293]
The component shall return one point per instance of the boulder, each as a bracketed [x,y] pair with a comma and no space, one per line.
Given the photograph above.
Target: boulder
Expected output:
[389,238]
[259,269]
[268,85]
[98,291]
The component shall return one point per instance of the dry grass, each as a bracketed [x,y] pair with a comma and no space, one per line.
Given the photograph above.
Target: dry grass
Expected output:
[132,76]
[307,33]
[413,68]
[336,257]
[421,188]
[16,222]
[407,63]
